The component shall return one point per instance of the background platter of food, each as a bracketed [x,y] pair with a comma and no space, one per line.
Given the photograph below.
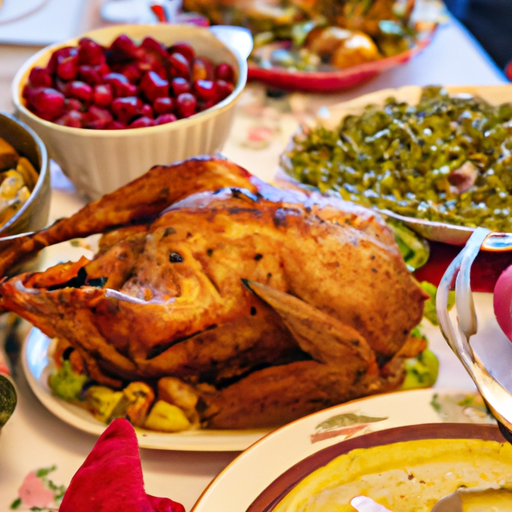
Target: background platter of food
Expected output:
[434,159]
[326,46]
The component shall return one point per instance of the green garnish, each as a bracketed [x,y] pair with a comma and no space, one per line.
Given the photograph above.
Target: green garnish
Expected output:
[421,371]
[414,249]
[446,159]
[67,384]
[429,311]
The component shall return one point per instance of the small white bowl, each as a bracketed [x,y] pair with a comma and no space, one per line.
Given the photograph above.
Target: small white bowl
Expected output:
[100,161]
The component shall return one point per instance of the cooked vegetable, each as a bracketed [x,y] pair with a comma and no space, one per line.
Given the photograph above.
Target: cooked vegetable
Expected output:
[446,159]
[67,384]
[415,250]
[8,155]
[101,401]
[166,417]
[421,371]
[429,310]
[134,404]
[17,178]
[8,398]
[176,392]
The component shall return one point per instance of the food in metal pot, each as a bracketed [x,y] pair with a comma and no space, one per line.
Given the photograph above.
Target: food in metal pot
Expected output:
[17,179]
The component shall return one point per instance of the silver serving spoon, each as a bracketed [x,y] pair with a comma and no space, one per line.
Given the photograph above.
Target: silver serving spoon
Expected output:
[457,276]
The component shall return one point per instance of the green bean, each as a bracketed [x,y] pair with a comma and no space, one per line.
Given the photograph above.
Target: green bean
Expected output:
[446,159]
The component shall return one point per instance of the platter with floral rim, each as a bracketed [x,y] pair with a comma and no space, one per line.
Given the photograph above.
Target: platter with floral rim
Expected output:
[36,366]
[35,361]
[276,453]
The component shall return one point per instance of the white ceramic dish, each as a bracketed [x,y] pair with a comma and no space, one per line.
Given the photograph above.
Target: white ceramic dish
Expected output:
[35,362]
[235,488]
[330,118]
[100,161]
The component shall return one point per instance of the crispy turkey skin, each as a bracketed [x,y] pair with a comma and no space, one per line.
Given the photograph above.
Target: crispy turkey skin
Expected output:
[270,304]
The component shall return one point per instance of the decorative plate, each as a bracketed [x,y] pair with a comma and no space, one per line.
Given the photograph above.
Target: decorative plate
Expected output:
[237,487]
[35,363]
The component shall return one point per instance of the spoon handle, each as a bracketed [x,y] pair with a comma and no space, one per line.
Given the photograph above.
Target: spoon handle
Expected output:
[458,274]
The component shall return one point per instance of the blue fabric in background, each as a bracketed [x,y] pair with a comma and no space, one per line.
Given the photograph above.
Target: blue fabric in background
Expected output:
[490,21]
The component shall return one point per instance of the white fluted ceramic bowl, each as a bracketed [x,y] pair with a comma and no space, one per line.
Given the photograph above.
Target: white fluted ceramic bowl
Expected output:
[100,161]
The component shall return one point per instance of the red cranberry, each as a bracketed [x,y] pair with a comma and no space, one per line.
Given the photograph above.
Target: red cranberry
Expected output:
[127,90]
[90,52]
[179,66]
[103,68]
[186,105]
[126,84]
[102,95]
[79,90]
[224,89]
[29,92]
[179,86]
[115,125]
[151,62]
[147,111]
[142,122]
[131,71]
[73,119]
[49,103]
[89,74]
[205,89]
[59,55]
[152,86]
[224,72]
[165,118]
[39,77]
[123,49]
[185,49]
[98,118]
[72,104]
[164,105]
[117,81]
[125,109]
[60,85]
[152,45]
[67,68]
[92,74]
[205,105]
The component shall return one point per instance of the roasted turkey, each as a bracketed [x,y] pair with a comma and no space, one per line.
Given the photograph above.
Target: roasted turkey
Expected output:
[267,304]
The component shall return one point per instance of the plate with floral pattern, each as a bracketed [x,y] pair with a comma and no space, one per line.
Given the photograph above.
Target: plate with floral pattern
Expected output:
[236,488]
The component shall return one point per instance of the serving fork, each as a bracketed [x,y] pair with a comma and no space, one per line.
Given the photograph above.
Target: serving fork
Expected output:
[457,277]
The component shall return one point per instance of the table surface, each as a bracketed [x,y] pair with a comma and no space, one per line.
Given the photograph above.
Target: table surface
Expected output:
[34,438]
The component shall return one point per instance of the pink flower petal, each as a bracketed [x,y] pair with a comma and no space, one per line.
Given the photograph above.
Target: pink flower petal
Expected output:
[34,493]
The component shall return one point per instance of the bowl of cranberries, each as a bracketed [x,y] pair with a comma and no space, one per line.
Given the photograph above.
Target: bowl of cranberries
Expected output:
[116,101]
